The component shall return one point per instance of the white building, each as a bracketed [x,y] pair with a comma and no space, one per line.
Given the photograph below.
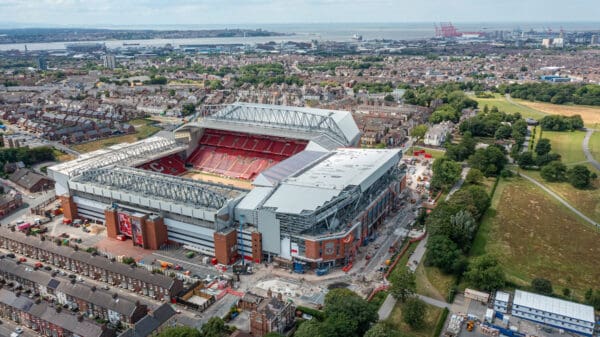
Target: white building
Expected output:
[501,302]
[438,133]
[555,312]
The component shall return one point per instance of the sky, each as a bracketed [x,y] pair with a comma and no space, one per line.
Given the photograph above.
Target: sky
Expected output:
[102,13]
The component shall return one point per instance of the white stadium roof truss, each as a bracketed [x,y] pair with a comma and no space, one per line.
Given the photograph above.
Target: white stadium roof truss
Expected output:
[152,184]
[282,117]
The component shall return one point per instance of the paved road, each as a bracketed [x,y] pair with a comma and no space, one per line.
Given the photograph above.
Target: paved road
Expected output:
[586,149]
[561,200]
[418,254]
[463,176]
[434,302]
[386,307]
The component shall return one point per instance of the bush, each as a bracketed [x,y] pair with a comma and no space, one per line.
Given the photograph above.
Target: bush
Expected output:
[542,286]
[440,323]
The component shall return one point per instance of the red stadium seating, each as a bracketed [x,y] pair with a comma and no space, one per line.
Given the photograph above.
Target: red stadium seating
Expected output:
[240,155]
[172,165]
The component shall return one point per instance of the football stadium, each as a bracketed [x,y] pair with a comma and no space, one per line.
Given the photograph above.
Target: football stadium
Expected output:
[252,181]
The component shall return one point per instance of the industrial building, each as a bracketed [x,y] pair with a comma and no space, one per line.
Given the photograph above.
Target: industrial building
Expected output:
[289,187]
[566,315]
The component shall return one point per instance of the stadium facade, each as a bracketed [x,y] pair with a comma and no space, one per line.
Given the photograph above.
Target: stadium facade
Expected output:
[309,198]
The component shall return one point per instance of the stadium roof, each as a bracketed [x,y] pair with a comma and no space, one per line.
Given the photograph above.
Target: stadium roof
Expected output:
[132,154]
[338,126]
[554,305]
[156,186]
[320,183]
[286,168]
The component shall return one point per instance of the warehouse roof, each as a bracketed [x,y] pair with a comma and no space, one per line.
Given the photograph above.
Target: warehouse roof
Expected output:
[554,305]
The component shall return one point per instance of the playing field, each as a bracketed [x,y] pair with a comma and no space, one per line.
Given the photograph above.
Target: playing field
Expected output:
[586,201]
[504,105]
[535,236]
[567,144]
[589,114]
[218,179]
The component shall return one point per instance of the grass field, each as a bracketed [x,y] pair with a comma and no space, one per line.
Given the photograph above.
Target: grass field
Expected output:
[509,107]
[589,114]
[434,153]
[567,144]
[535,236]
[61,156]
[431,317]
[586,201]
[144,129]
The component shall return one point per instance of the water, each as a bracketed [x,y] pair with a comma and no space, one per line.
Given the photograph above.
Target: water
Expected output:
[341,32]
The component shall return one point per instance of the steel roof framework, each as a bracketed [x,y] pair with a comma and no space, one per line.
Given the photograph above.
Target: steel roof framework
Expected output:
[176,189]
[280,117]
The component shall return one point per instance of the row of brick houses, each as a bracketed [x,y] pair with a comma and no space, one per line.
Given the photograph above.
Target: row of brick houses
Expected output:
[83,298]
[138,280]
[47,320]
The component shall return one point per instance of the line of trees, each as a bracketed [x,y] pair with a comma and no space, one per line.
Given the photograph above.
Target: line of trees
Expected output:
[566,93]
[561,123]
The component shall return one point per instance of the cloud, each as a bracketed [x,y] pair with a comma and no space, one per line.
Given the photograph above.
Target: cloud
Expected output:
[224,12]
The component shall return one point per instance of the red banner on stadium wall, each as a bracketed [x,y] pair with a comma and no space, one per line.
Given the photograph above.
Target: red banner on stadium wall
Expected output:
[125,224]
[136,228]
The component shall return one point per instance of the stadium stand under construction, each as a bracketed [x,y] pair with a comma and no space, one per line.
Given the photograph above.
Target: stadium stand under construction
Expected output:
[313,198]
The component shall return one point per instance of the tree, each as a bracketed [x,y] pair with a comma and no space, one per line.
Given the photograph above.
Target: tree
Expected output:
[382,329]
[180,331]
[310,328]
[403,284]
[445,173]
[579,176]
[486,273]
[543,147]
[463,227]
[215,327]
[566,292]
[444,253]
[503,132]
[474,177]
[525,159]
[188,109]
[490,160]
[555,171]
[418,132]
[542,286]
[347,314]
[388,98]
[413,312]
